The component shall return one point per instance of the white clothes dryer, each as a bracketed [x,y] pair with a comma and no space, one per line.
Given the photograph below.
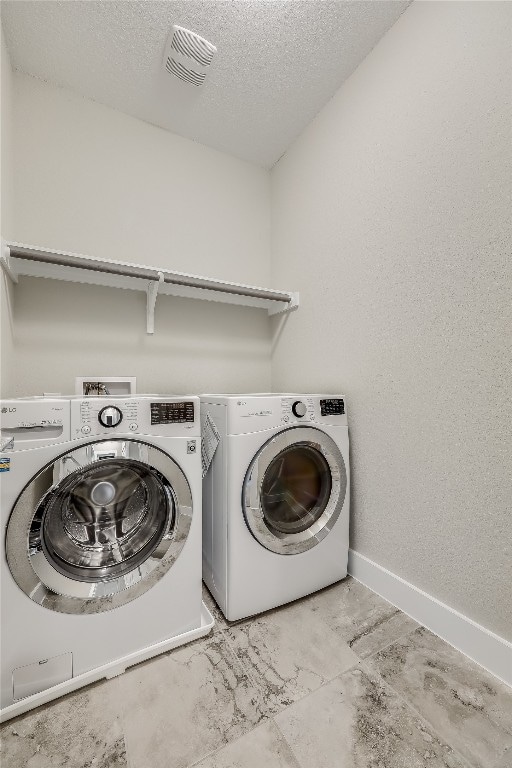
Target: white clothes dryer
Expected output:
[101,544]
[275,499]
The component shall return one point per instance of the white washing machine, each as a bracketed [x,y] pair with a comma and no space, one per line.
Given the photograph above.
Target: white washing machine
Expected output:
[275,499]
[101,544]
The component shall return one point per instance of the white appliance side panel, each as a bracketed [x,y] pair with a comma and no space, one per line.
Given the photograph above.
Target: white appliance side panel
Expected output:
[214,509]
[259,579]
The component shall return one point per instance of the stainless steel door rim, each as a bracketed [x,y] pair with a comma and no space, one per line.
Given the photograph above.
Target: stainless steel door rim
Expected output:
[99,526]
[294,490]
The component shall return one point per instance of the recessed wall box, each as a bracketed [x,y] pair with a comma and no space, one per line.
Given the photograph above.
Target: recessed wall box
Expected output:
[123,386]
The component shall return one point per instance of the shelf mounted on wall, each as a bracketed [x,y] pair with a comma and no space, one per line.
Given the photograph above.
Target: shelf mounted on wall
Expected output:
[31,261]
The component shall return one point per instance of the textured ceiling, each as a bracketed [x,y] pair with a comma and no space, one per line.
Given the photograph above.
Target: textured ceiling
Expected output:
[278,61]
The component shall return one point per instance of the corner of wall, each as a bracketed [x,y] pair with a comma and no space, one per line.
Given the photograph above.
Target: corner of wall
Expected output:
[6,216]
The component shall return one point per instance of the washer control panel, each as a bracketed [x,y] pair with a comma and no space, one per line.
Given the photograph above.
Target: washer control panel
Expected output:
[180,412]
[92,416]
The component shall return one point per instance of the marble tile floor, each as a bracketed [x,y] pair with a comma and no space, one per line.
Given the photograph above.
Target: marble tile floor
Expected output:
[340,679]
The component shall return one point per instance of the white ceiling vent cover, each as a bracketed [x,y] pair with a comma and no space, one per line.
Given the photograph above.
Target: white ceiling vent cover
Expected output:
[188,56]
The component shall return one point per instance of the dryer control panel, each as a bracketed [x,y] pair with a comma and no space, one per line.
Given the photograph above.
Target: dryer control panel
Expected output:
[298,408]
[257,412]
[152,415]
[313,408]
[333,406]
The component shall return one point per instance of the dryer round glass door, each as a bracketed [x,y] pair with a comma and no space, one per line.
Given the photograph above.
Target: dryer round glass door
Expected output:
[294,490]
[99,526]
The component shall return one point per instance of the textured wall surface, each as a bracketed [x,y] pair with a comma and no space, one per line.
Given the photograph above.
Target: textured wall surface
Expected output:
[6,217]
[392,217]
[92,180]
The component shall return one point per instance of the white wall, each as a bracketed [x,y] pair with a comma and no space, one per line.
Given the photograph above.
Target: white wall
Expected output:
[6,215]
[95,181]
[391,215]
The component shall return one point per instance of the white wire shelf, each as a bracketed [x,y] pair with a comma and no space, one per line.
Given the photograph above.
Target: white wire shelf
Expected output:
[28,260]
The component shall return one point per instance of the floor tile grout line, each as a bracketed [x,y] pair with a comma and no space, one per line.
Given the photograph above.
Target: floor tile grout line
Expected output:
[299,762]
[420,716]
[223,746]
[242,736]
[261,687]
[315,690]
[466,762]
[115,683]
[396,640]
[214,752]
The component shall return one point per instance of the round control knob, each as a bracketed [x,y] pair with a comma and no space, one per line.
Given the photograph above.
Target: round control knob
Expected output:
[133,427]
[299,409]
[110,416]
[86,429]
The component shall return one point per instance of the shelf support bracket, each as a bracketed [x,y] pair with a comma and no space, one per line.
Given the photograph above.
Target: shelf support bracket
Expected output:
[152,292]
[5,260]
[285,308]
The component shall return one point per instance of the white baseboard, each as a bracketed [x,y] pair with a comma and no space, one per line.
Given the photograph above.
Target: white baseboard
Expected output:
[482,646]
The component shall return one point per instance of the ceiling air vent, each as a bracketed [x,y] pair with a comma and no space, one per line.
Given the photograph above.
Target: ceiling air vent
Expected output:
[188,56]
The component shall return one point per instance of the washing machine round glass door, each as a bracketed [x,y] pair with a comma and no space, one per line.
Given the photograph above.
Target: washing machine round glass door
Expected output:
[294,490]
[99,526]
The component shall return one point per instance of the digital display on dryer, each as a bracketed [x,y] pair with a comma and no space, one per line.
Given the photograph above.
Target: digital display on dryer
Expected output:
[334,407]
[172,413]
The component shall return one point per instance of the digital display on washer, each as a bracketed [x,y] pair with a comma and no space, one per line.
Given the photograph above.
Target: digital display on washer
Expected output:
[172,413]
[334,407]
